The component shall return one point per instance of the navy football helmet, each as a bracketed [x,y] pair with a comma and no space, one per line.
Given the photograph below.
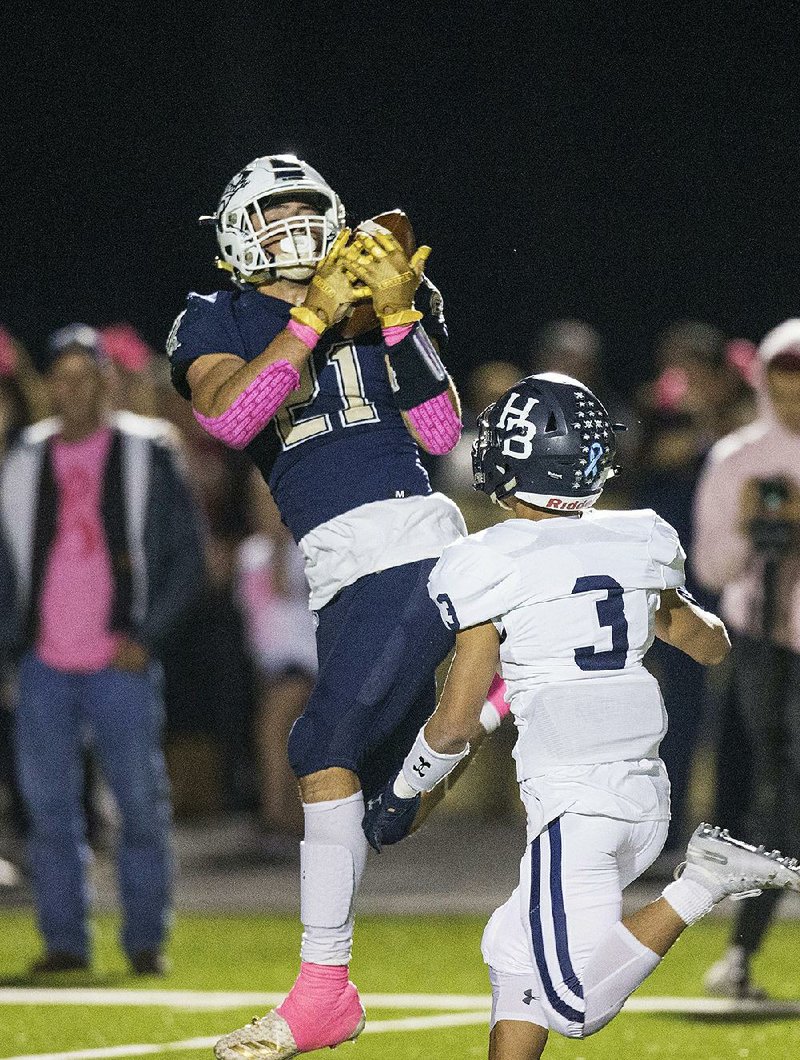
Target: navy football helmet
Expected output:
[548,441]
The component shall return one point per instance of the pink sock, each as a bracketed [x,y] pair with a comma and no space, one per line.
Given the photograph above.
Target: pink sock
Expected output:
[322,1007]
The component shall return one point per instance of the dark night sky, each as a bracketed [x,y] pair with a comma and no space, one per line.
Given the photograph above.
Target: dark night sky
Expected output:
[560,159]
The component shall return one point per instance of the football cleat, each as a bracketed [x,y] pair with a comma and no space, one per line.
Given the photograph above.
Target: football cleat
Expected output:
[264,1036]
[730,977]
[734,867]
[388,818]
[270,1037]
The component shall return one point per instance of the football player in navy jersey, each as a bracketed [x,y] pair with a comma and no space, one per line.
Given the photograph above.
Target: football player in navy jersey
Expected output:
[334,426]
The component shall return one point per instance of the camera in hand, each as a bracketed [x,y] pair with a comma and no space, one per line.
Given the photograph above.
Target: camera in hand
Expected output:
[768,531]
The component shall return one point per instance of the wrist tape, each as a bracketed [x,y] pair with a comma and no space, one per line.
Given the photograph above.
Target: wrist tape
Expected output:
[252,410]
[423,767]
[416,370]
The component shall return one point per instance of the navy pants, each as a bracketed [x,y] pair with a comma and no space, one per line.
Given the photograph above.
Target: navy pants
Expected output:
[379,642]
[122,715]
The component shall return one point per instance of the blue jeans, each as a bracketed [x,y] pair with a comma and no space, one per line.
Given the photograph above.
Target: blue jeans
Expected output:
[122,714]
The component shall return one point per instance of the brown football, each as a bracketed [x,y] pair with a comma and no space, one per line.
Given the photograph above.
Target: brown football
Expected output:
[363,318]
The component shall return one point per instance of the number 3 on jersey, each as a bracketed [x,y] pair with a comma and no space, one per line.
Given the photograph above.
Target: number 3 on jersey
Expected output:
[294,429]
[611,613]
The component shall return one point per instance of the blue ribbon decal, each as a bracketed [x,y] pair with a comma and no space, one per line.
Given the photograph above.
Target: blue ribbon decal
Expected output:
[595,453]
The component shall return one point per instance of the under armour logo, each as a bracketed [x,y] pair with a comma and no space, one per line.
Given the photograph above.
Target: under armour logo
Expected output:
[421,766]
[527,997]
[372,803]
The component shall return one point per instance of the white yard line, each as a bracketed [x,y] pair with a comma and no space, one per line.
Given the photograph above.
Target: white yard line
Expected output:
[198,1000]
[412,1023]
[712,1006]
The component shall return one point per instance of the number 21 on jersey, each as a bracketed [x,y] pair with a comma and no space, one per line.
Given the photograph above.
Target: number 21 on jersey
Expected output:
[294,428]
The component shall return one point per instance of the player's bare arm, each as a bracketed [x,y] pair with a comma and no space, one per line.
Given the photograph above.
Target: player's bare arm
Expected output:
[685,625]
[456,720]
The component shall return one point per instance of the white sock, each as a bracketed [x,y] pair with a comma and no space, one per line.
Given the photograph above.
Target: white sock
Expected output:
[618,965]
[332,858]
[690,898]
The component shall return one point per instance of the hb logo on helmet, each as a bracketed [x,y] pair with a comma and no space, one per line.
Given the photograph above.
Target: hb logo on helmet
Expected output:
[515,419]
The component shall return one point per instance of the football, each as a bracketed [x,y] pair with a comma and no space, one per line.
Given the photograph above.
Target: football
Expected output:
[363,318]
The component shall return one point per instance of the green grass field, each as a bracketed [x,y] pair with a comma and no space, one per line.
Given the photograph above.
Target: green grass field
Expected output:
[421,955]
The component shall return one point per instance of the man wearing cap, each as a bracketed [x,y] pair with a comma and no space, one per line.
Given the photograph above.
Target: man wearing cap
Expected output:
[100,554]
[747,547]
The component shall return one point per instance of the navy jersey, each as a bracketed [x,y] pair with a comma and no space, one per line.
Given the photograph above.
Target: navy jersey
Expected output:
[337,442]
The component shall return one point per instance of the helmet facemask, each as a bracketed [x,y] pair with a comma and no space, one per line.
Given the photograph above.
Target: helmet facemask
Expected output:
[304,241]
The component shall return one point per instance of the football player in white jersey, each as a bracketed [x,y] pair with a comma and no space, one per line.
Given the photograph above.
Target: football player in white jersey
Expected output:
[567,601]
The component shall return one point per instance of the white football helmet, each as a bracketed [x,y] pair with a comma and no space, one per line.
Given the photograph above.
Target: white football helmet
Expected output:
[243,234]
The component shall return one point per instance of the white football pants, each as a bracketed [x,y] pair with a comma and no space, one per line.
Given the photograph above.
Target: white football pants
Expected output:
[568,901]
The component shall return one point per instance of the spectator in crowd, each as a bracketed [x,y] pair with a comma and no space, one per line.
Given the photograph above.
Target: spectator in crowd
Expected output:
[698,371]
[273,595]
[131,383]
[747,547]
[100,553]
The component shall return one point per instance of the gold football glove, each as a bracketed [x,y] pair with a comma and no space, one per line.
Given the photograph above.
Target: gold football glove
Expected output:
[379,262]
[333,290]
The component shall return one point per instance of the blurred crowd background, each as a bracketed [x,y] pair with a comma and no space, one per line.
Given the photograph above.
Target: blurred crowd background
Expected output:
[240,666]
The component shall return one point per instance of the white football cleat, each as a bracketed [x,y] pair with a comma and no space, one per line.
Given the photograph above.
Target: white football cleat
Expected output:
[267,1038]
[264,1036]
[735,868]
[730,977]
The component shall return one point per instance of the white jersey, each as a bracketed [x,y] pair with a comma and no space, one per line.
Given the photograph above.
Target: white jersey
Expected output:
[575,602]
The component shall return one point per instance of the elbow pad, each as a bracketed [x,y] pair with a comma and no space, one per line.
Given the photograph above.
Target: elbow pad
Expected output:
[252,410]
[416,371]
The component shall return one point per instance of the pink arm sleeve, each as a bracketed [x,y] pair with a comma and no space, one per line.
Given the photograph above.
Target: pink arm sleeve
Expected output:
[252,410]
[721,551]
[436,423]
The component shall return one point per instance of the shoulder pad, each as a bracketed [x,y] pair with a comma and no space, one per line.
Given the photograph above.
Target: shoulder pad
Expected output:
[472,583]
[667,551]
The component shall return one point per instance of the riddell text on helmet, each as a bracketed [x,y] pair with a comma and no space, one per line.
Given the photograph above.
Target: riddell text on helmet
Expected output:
[570,506]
